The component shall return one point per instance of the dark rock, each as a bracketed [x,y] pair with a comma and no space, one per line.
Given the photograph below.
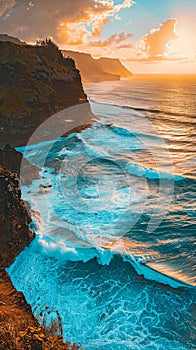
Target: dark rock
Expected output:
[11,160]
[45,185]
[14,219]
[19,329]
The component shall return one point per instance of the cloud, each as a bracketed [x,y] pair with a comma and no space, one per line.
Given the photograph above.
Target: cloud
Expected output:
[114,39]
[156,59]
[158,39]
[98,25]
[6,6]
[66,21]
[154,46]
[73,34]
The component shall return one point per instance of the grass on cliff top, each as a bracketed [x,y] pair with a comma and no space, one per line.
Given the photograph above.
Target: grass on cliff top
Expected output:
[20,331]
[17,335]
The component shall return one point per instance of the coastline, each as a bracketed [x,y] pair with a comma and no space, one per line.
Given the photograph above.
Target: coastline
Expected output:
[97,175]
[19,329]
[150,273]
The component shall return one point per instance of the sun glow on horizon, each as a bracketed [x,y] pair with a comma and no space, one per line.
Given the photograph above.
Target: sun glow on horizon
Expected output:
[184,45]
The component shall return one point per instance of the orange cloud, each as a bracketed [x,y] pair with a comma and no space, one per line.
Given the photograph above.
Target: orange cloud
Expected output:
[98,16]
[73,34]
[154,46]
[98,25]
[158,39]
[67,22]
[114,40]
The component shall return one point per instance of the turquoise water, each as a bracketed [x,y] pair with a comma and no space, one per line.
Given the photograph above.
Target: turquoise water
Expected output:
[114,217]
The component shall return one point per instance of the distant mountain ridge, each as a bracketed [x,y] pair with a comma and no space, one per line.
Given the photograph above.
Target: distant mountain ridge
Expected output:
[97,70]
[12,39]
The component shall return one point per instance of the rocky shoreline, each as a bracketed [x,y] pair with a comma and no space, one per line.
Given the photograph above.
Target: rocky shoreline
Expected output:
[11,159]
[35,82]
[14,219]
[19,329]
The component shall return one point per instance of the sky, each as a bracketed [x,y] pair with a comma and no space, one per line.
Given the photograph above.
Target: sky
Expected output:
[149,36]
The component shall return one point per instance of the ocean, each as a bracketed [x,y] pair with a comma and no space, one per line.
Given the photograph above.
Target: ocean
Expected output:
[114,220]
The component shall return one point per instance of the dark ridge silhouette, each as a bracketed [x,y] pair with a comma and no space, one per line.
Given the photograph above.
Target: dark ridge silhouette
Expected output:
[6,37]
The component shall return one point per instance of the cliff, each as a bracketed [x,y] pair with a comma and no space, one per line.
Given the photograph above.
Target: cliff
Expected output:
[114,66]
[90,69]
[19,329]
[11,159]
[97,70]
[6,37]
[14,219]
[35,83]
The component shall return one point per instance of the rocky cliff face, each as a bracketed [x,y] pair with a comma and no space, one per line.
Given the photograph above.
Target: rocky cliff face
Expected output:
[19,329]
[90,69]
[35,83]
[97,70]
[114,66]
[11,159]
[14,219]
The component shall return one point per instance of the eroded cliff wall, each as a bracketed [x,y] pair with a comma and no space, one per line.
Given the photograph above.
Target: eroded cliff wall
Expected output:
[14,219]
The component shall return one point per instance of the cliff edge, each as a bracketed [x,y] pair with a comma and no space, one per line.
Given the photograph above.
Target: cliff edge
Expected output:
[14,219]
[35,83]
[19,329]
[114,66]
[11,159]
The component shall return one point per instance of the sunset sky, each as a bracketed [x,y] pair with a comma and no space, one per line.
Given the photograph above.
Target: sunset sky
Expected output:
[149,36]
